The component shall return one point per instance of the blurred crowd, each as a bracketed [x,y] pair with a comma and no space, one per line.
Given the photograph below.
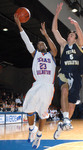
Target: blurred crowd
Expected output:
[13,102]
[10,101]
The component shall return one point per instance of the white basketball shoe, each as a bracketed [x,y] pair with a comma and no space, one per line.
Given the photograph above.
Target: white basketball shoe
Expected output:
[58,131]
[67,124]
[32,134]
[36,142]
[63,126]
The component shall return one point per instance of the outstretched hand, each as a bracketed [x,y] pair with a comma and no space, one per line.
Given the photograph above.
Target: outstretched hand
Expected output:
[16,18]
[43,30]
[72,21]
[59,8]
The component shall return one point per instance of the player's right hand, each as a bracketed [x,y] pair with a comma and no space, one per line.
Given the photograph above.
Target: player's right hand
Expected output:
[16,18]
[59,8]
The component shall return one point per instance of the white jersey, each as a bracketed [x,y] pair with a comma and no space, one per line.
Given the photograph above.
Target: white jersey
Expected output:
[43,67]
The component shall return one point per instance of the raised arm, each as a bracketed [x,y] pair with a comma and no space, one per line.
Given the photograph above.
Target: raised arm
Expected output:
[55,31]
[78,31]
[50,42]
[24,36]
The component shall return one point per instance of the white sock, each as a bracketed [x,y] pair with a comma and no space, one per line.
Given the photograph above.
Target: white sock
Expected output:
[31,127]
[39,132]
[66,115]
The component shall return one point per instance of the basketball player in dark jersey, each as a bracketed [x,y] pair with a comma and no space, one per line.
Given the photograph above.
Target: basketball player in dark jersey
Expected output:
[71,51]
[77,84]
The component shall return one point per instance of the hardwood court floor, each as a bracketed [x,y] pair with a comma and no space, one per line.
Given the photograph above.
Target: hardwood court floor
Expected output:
[20,132]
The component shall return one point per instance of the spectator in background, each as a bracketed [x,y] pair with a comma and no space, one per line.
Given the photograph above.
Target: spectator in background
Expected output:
[4,96]
[5,105]
[12,97]
[16,108]
[12,106]
[22,97]
[18,101]
[8,100]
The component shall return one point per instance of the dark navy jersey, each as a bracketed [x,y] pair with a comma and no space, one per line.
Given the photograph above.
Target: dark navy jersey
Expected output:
[70,59]
[81,65]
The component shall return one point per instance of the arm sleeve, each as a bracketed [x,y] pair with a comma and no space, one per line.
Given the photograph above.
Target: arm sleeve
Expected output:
[27,42]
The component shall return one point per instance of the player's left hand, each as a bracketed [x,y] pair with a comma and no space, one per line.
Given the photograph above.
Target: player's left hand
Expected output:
[72,21]
[43,30]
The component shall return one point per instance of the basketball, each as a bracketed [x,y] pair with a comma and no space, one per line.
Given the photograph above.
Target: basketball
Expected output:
[23,14]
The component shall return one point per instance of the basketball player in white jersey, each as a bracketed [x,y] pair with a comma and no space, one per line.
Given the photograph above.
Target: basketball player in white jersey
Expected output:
[39,97]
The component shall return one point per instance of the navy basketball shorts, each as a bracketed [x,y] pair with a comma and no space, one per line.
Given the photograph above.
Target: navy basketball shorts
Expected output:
[74,82]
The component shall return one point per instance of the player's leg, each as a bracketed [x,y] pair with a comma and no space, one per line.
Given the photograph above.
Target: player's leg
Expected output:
[36,142]
[66,124]
[29,107]
[47,91]
[64,97]
[31,119]
[32,128]
[41,124]
[71,109]
[63,83]
[65,106]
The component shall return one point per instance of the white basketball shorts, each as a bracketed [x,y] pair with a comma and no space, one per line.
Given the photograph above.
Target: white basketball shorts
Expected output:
[38,99]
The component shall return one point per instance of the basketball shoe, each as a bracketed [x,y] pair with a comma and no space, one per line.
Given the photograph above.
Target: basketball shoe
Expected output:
[63,126]
[58,131]
[36,142]
[67,124]
[32,134]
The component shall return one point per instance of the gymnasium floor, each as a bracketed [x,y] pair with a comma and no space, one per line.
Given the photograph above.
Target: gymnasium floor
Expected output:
[14,137]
